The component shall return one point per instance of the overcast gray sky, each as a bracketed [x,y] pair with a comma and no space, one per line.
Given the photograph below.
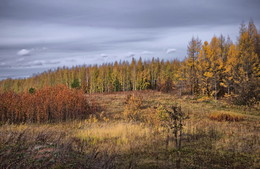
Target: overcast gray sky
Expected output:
[36,35]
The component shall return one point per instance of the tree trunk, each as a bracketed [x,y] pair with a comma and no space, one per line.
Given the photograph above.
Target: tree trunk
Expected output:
[216,91]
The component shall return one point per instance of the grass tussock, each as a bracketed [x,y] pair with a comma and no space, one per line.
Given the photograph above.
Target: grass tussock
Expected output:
[226,116]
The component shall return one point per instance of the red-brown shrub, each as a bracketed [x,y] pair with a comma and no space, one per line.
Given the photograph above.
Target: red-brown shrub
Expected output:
[46,105]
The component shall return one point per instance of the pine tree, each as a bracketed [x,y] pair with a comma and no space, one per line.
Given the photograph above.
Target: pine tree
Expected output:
[247,81]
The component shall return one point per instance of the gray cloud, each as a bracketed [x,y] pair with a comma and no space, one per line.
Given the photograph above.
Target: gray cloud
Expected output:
[46,34]
[171,50]
[104,55]
[24,52]
[146,52]
[130,55]
[131,13]
[39,63]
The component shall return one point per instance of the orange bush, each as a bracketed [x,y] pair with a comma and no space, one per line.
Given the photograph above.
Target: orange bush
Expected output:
[46,105]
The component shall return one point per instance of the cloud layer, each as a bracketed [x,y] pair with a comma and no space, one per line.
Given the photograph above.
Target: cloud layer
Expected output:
[38,35]
[23,52]
[168,51]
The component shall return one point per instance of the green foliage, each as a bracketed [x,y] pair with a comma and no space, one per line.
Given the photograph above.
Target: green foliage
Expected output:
[75,84]
[32,90]
[117,85]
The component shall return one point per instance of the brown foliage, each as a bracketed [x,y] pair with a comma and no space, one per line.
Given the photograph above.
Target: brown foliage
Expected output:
[226,116]
[46,105]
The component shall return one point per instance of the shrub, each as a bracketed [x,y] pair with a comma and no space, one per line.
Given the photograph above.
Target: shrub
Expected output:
[75,84]
[226,116]
[31,90]
[49,104]
[150,116]
[132,109]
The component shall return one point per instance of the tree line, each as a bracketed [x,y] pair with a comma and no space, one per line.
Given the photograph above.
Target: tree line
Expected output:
[110,77]
[222,68]
[219,68]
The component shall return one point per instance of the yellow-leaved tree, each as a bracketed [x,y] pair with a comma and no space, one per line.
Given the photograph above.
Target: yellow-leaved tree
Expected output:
[204,68]
[246,77]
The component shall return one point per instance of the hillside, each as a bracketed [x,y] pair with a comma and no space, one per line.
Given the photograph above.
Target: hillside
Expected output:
[112,139]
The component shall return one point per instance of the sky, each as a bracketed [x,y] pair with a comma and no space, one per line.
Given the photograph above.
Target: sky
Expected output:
[37,35]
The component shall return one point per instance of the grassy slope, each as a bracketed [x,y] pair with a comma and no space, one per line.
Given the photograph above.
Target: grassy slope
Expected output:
[108,141]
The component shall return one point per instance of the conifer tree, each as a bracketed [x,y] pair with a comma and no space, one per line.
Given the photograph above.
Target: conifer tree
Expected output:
[194,48]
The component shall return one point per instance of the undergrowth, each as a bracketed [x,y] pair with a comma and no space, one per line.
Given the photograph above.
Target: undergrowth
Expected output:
[110,140]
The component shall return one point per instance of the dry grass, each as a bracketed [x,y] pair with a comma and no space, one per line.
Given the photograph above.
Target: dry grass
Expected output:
[226,116]
[116,130]
[107,141]
[124,136]
[47,146]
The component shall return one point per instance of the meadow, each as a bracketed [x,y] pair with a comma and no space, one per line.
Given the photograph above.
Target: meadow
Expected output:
[127,131]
